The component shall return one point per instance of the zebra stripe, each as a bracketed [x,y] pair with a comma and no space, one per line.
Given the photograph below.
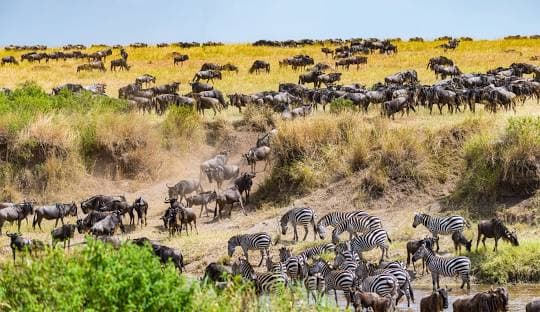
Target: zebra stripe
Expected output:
[451,266]
[299,216]
[384,285]
[258,241]
[346,256]
[315,284]
[244,269]
[371,240]
[335,279]
[270,282]
[355,225]
[317,250]
[335,218]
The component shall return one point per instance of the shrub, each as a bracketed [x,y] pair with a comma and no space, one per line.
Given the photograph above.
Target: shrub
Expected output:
[181,127]
[259,117]
[338,106]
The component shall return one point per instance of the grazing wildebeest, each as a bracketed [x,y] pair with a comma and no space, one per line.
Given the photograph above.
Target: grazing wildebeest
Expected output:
[257,154]
[222,173]
[202,199]
[244,183]
[63,234]
[204,102]
[230,196]
[439,60]
[168,88]
[493,300]
[122,63]
[91,66]
[96,88]
[229,67]
[327,51]
[57,212]
[181,58]
[108,225]
[141,207]
[146,78]
[459,239]
[183,188]
[16,212]
[309,77]
[436,302]
[9,60]
[445,71]
[409,75]
[208,75]
[163,252]
[210,66]
[216,273]
[130,89]
[19,243]
[259,65]
[328,79]
[72,87]
[216,94]
[198,86]
[100,202]
[495,229]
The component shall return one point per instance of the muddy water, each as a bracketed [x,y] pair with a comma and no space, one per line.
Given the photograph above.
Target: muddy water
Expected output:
[520,295]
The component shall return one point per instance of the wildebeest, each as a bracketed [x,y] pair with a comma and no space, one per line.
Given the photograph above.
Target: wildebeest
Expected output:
[309,77]
[259,65]
[327,51]
[409,75]
[163,252]
[124,54]
[401,104]
[216,273]
[459,239]
[493,300]
[328,79]
[15,212]
[57,212]
[445,71]
[230,196]
[183,188]
[91,66]
[222,173]
[108,225]
[412,247]
[122,63]
[364,300]
[258,154]
[219,160]
[210,66]
[495,229]
[180,58]
[146,78]
[436,302]
[84,225]
[208,75]
[198,86]
[169,88]
[244,183]
[63,234]
[187,216]
[204,102]
[9,60]
[533,306]
[229,67]
[72,87]
[141,207]
[19,243]
[202,199]
[101,203]
[439,60]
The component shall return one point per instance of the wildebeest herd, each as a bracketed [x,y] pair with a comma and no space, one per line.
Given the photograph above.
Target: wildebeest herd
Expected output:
[379,286]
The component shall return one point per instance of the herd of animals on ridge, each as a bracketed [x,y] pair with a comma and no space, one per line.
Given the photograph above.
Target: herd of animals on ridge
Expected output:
[379,286]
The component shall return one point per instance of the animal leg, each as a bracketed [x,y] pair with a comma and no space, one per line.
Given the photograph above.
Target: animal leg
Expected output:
[496,242]
[306,230]
[262,257]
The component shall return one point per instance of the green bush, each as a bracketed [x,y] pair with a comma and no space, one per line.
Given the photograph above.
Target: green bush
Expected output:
[100,278]
[340,105]
[181,125]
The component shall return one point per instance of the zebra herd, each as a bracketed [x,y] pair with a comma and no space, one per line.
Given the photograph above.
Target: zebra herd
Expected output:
[349,271]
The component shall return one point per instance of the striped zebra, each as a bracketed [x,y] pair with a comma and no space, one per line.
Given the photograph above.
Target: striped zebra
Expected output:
[451,266]
[318,250]
[402,276]
[315,285]
[258,241]
[299,216]
[265,282]
[335,218]
[355,225]
[335,279]
[346,260]
[371,240]
[384,285]
[275,267]
[440,225]
[295,265]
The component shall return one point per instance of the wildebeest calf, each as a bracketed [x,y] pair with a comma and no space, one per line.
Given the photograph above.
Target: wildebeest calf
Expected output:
[63,234]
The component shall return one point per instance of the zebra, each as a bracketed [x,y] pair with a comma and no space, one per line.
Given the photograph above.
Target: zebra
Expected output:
[295,216]
[384,285]
[440,225]
[335,218]
[402,276]
[257,241]
[345,255]
[315,283]
[370,240]
[265,282]
[275,267]
[451,266]
[335,279]
[355,225]
[318,250]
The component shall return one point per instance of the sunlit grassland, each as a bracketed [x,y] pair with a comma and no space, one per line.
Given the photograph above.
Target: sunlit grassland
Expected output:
[475,56]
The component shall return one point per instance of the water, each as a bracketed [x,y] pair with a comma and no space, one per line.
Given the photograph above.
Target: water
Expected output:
[519,295]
